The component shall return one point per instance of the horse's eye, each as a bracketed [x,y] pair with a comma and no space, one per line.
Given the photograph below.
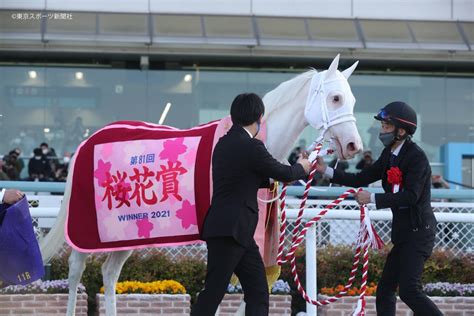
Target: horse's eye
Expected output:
[335,100]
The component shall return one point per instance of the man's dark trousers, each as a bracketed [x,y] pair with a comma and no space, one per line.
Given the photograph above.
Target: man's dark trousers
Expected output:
[226,256]
[403,269]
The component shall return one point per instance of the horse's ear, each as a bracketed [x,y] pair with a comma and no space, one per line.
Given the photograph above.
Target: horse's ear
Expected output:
[348,72]
[333,67]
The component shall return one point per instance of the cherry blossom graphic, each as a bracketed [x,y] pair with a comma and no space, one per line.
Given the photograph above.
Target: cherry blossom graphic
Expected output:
[187,215]
[172,149]
[102,173]
[132,148]
[144,227]
[114,230]
[190,157]
[107,150]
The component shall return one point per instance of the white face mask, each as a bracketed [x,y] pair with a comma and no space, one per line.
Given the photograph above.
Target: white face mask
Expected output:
[45,151]
[66,159]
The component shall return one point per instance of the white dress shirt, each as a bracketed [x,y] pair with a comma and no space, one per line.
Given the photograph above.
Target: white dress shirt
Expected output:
[250,134]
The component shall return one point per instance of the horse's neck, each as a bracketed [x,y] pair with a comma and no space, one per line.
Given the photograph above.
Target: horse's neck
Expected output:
[284,126]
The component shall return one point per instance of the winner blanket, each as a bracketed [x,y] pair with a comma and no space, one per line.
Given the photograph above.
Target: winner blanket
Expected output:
[137,184]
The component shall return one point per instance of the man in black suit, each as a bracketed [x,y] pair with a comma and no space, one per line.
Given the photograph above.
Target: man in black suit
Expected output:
[413,224]
[240,166]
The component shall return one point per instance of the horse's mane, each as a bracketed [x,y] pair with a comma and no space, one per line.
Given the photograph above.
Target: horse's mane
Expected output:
[286,91]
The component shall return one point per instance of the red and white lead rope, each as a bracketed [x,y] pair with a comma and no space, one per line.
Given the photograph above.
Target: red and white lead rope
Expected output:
[367,237]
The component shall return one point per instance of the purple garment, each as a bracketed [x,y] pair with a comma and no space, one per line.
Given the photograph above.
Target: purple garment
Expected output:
[20,256]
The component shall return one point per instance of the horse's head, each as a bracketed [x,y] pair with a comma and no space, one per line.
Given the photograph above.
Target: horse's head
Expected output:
[330,109]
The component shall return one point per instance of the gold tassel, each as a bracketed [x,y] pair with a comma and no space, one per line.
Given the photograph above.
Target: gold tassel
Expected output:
[234,280]
[273,273]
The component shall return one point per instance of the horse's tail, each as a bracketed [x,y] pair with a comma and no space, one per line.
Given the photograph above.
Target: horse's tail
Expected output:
[54,240]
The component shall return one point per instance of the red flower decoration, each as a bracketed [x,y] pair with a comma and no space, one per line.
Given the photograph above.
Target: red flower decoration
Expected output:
[394,176]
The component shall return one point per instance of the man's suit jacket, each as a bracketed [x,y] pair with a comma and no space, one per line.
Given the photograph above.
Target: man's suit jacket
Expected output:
[411,206]
[240,166]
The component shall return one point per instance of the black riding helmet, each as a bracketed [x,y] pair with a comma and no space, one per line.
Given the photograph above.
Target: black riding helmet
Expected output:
[399,114]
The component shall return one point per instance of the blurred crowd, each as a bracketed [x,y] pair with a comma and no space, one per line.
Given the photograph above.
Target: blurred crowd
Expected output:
[42,164]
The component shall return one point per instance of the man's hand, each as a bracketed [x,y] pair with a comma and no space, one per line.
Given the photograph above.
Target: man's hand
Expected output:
[321,166]
[363,197]
[12,196]
[303,160]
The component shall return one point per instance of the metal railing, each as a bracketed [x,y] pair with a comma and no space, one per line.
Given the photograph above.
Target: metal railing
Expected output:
[317,191]
[339,226]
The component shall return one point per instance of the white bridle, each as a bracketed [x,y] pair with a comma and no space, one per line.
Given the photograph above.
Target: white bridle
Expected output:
[316,110]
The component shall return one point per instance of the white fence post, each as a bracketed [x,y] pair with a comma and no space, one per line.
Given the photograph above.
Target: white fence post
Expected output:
[311,269]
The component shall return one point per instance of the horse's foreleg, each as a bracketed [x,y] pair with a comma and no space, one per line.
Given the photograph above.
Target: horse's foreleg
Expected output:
[110,273]
[77,264]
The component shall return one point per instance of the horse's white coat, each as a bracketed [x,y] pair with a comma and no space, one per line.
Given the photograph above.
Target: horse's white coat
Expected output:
[284,115]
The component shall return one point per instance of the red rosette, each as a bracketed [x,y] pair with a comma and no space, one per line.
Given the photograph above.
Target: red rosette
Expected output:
[394,176]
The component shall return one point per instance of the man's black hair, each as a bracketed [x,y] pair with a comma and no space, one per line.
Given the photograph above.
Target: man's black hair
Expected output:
[246,109]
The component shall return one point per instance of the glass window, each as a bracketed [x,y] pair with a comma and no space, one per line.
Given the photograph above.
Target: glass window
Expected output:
[129,24]
[177,25]
[332,30]
[386,31]
[282,28]
[63,106]
[436,32]
[459,110]
[81,23]
[20,21]
[218,26]
[469,30]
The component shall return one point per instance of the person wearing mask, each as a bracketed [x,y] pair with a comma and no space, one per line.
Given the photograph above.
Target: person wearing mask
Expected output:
[406,179]
[50,154]
[45,149]
[240,166]
[39,168]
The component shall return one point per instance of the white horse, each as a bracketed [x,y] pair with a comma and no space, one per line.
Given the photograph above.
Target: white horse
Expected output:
[324,100]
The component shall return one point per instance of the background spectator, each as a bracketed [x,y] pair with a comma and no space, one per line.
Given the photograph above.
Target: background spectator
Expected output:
[294,155]
[3,175]
[10,166]
[366,161]
[39,168]
[438,182]
[62,168]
